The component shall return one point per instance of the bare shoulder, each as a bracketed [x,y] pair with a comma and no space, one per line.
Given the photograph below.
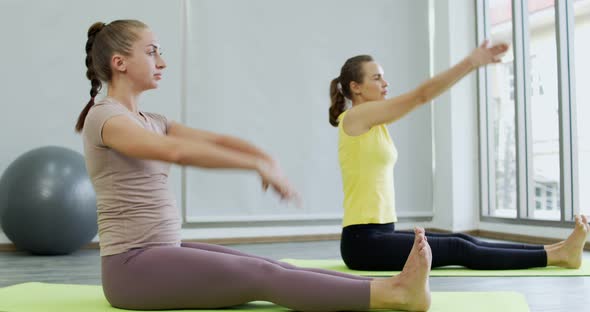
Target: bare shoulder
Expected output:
[352,123]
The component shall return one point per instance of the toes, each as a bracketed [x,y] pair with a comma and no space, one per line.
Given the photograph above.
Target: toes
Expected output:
[579,221]
[420,238]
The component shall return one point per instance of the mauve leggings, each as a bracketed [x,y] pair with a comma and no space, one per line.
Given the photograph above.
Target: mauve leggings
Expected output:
[379,247]
[197,275]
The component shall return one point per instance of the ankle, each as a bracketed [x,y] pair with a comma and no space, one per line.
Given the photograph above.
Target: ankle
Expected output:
[381,294]
[557,257]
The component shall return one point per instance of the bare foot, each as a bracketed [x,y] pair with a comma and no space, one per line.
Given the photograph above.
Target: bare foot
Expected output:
[569,253]
[554,246]
[408,290]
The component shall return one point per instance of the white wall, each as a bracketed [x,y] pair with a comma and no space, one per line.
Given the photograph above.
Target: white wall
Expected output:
[258,69]
[265,76]
[456,181]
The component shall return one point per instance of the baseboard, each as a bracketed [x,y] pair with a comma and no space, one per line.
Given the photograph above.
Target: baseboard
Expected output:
[267,239]
[323,237]
[11,247]
[435,230]
[7,247]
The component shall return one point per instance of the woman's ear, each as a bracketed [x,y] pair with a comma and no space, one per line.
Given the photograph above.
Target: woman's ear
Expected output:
[119,63]
[355,88]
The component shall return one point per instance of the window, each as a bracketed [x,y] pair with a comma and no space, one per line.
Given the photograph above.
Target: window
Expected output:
[533,133]
[582,97]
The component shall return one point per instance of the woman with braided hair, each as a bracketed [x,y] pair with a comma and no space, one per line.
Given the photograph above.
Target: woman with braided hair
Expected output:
[367,157]
[144,264]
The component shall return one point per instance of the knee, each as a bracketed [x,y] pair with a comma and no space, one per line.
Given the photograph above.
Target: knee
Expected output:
[287,265]
[261,269]
[460,246]
[466,237]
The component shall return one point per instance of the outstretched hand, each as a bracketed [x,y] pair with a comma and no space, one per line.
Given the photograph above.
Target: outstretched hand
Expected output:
[485,54]
[272,176]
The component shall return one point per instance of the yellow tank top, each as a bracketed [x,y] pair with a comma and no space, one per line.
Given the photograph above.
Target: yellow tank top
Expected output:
[366,163]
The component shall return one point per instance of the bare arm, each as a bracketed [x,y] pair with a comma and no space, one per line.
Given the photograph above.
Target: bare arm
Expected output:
[134,141]
[362,117]
[233,143]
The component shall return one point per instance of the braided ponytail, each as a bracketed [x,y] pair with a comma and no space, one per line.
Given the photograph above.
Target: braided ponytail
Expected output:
[338,102]
[95,83]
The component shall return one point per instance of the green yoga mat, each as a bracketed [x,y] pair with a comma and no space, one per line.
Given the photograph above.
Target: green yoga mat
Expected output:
[41,297]
[338,265]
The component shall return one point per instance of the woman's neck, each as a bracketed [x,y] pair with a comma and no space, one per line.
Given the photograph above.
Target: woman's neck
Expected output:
[124,96]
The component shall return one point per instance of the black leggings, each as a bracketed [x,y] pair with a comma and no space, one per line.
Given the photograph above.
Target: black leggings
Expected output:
[378,247]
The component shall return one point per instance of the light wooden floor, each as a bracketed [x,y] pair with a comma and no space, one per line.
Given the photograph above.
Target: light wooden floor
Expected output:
[83,267]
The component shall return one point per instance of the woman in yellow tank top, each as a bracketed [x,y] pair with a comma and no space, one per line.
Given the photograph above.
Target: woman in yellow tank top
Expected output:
[367,156]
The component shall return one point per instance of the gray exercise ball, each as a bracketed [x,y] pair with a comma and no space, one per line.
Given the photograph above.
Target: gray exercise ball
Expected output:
[47,202]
